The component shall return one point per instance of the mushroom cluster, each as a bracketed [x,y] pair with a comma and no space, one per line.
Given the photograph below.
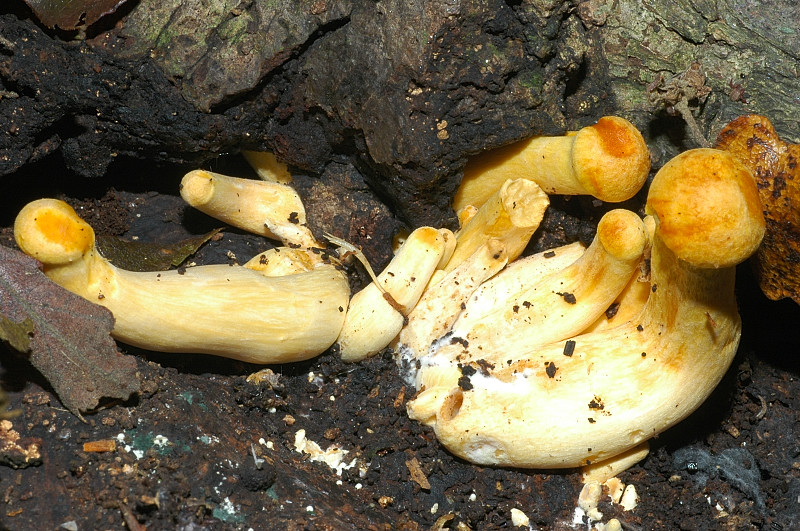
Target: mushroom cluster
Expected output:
[528,370]
[573,357]
[287,304]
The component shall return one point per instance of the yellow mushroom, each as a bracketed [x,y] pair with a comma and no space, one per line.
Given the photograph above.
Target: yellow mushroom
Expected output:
[522,307]
[608,160]
[378,312]
[598,396]
[442,301]
[512,214]
[230,311]
[271,209]
[633,296]
[268,167]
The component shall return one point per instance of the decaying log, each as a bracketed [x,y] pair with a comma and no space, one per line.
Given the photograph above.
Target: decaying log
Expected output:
[402,91]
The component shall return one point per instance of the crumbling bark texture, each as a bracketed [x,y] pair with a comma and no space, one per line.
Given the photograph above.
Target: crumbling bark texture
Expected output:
[403,91]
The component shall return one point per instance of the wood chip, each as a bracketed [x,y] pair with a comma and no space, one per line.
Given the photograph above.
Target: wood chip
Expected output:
[401,396]
[417,474]
[105,445]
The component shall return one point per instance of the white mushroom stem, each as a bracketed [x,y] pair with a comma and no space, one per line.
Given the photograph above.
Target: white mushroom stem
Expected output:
[271,209]
[224,310]
[512,215]
[614,389]
[518,309]
[608,160]
[442,301]
[378,312]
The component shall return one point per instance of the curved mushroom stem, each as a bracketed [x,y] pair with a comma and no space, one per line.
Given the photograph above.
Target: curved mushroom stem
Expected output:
[443,301]
[512,214]
[517,309]
[229,311]
[634,296]
[608,160]
[271,209]
[378,312]
[621,386]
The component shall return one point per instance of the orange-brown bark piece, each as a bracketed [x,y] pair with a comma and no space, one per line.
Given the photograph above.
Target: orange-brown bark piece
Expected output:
[753,140]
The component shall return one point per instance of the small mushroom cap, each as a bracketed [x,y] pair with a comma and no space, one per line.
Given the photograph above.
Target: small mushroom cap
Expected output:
[612,147]
[707,208]
[622,234]
[50,231]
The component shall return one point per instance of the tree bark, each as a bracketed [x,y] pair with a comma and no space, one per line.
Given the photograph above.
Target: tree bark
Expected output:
[401,91]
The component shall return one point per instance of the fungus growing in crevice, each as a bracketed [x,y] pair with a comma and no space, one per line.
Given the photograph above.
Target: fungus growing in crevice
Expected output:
[706,218]
[608,160]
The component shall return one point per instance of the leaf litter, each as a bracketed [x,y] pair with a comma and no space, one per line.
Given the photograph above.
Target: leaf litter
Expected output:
[68,337]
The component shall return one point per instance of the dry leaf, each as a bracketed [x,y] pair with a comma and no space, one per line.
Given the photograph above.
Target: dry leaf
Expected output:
[70,342]
[71,14]
[774,163]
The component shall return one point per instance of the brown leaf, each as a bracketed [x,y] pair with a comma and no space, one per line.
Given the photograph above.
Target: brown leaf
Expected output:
[776,166]
[70,342]
[145,256]
[71,14]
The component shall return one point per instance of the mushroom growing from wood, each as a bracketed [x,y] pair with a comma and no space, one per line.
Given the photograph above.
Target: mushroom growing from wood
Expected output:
[271,209]
[511,214]
[231,311]
[378,312]
[608,160]
[595,398]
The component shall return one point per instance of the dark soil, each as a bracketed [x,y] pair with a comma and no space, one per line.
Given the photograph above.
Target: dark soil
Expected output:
[202,448]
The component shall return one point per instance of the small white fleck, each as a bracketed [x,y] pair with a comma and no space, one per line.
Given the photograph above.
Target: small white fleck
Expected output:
[359,486]
[434,508]
[309,508]
[519,519]
[227,506]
